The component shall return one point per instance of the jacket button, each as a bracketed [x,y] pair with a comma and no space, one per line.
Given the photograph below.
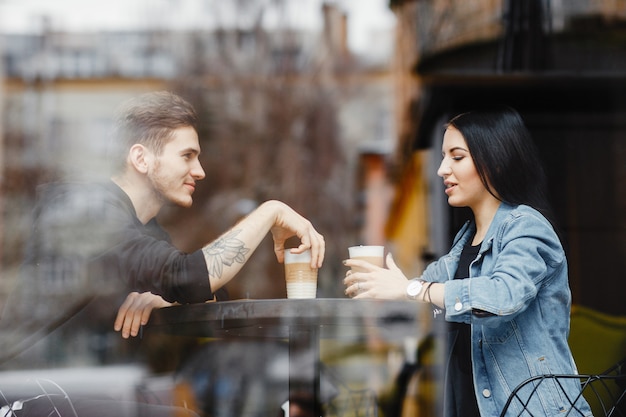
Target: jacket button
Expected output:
[458,306]
[486,393]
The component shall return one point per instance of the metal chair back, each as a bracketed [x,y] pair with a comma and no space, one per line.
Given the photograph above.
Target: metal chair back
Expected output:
[605,393]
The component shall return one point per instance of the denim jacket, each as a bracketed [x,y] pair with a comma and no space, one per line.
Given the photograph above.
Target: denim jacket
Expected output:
[517,301]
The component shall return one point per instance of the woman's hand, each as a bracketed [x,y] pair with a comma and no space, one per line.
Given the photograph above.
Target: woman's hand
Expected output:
[374,281]
[135,312]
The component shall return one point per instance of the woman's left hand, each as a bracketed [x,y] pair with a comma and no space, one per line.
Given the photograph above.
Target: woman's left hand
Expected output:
[375,282]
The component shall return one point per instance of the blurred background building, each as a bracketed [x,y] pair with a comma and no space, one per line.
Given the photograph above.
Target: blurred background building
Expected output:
[287,113]
[562,65]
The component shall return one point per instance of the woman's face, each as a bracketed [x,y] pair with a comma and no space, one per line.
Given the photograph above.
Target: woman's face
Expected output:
[464,187]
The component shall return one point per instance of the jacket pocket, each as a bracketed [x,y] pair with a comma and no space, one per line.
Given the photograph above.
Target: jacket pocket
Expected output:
[554,393]
[499,334]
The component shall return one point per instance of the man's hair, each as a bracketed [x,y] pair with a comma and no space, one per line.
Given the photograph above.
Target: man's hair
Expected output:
[149,120]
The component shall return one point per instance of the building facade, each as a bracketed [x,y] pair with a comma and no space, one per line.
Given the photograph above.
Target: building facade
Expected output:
[560,64]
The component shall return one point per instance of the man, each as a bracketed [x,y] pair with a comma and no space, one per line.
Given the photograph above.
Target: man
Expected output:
[158,171]
[94,244]
[95,239]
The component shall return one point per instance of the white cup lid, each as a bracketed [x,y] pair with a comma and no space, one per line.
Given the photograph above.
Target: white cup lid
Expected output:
[367,250]
[291,258]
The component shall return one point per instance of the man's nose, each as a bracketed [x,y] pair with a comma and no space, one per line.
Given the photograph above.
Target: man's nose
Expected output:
[197,172]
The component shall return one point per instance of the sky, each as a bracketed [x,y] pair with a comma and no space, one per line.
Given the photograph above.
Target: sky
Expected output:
[366,18]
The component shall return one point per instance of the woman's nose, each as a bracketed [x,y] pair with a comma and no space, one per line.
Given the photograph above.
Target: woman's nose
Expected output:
[444,168]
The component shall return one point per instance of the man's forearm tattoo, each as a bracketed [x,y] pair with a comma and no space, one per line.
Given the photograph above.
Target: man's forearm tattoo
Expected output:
[226,250]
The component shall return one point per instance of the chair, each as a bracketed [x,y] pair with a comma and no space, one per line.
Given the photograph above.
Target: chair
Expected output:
[597,339]
[605,393]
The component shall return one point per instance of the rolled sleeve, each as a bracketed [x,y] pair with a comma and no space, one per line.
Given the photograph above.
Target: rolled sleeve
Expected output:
[192,281]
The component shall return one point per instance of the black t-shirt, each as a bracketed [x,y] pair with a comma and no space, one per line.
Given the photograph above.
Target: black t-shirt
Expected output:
[460,396]
[92,229]
[86,252]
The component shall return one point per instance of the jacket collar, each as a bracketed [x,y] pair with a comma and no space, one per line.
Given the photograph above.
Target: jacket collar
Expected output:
[469,228]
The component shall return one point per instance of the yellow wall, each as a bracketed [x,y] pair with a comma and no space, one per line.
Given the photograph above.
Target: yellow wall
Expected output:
[407,227]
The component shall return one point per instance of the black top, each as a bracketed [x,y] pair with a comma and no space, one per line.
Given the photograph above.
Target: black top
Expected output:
[95,226]
[87,247]
[460,396]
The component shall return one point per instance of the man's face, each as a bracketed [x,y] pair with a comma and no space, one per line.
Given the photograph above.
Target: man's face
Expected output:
[174,173]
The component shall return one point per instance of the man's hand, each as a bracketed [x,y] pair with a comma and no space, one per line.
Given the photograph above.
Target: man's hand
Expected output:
[288,223]
[226,255]
[135,312]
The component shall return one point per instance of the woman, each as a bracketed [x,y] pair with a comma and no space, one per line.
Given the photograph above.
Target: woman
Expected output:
[504,283]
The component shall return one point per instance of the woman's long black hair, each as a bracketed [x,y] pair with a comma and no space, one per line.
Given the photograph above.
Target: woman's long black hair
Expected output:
[505,156]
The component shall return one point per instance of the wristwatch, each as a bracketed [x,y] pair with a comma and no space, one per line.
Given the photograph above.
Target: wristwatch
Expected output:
[414,288]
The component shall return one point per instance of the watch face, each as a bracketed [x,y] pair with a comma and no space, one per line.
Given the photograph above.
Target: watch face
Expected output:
[414,288]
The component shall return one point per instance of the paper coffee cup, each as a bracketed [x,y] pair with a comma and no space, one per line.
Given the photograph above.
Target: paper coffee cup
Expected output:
[372,254]
[301,279]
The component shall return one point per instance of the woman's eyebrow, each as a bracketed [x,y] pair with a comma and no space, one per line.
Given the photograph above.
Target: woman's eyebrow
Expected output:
[459,148]
[456,148]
